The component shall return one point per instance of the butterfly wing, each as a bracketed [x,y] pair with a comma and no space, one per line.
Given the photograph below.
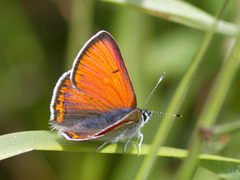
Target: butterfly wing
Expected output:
[97,84]
[68,103]
[126,125]
[100,72]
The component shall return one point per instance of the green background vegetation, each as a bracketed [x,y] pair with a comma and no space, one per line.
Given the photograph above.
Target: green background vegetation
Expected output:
[39,41]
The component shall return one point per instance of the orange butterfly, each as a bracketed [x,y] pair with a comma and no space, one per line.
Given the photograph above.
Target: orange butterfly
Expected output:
[96,99]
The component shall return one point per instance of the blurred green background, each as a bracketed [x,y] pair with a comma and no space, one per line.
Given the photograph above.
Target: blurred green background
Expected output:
[38,43]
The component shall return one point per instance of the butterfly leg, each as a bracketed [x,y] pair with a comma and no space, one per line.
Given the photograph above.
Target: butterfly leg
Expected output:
[125,147]
[101,146]
[140,135]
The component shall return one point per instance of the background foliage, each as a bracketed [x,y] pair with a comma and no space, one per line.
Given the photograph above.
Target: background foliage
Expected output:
[38,42]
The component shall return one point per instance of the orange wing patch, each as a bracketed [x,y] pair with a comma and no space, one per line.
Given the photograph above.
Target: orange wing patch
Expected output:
[78,137]
[69,102]
[73,135]
[100,72]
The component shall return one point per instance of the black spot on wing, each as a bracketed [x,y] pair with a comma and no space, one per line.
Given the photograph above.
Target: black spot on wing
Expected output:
[115,71]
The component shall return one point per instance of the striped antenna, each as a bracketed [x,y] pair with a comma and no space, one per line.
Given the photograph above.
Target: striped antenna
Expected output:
[158,112]
[160,79]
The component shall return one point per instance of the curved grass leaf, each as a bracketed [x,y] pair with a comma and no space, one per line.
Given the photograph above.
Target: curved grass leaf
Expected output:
[181,12]
[22,142]
[227,128]
[221,166]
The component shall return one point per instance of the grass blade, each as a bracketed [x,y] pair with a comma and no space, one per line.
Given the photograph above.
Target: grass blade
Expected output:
[21,142]
[181,12]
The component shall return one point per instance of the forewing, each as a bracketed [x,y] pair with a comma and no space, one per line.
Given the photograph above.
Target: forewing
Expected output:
[99,71]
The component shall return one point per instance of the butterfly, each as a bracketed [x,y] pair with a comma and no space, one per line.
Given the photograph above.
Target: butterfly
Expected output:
[95,100]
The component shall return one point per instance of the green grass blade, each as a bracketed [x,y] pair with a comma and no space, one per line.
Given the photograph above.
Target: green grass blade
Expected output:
[227,128]
[209,113]
[212,107]
[221,166]
[181,12]
[221,87]
[174,106]
[21,142]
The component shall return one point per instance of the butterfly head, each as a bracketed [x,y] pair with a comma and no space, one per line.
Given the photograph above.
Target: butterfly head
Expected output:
[146,115]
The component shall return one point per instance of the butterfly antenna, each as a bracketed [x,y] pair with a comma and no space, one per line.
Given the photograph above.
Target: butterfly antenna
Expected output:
[160,79]
[176,115]
[158,112]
